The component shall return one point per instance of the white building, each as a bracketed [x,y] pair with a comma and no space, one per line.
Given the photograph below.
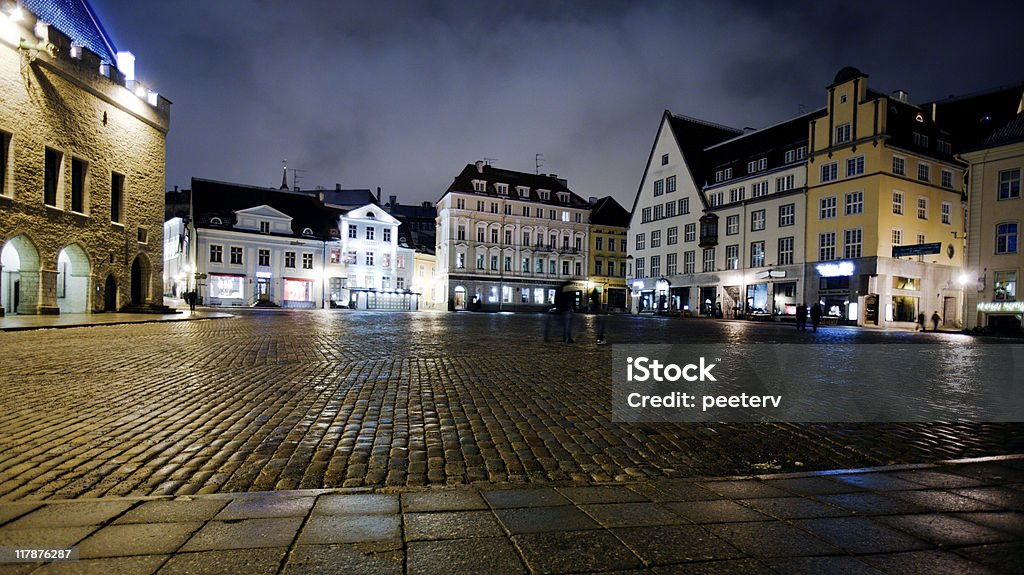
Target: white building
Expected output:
[379,271]
[508,241]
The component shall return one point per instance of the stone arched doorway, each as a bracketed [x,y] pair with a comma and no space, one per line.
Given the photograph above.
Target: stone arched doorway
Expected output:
[110,294]
[139,280]
[19,276]
[73,279]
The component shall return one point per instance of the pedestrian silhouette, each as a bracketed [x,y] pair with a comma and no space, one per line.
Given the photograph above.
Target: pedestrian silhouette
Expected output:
[920,322]
[191,297]
[801,317]
[935,320]
[816,315]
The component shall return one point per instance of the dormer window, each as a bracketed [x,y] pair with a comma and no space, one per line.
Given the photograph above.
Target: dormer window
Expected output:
[307,232]
[722,175]
[264,227]
[216,222]
[479,185]
[544,194]
[501,189]
[563,197]
[757,165]
[524,191]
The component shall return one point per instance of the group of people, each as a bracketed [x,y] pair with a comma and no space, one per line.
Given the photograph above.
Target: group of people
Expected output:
[936,318]
[801,316]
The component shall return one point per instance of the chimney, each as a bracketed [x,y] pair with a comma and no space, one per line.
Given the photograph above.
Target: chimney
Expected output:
[427,204]
[592,200]
[337,187]
[393,200]
[901,95]
[378,195]
[480,167]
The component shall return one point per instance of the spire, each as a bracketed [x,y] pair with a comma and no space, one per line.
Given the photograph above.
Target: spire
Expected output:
[284,175]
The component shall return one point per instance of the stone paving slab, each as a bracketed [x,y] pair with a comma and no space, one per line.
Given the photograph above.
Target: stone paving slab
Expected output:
[588,530]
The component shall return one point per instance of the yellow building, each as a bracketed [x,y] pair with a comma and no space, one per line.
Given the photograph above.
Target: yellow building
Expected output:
[885,216]
[994,257]
[607,264]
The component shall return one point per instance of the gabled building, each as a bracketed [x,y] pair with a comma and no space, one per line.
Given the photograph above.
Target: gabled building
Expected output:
[82,147]
[378,269]
[508,241]
[608,257]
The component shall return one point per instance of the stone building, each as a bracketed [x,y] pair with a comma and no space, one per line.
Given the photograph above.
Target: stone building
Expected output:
[81,166]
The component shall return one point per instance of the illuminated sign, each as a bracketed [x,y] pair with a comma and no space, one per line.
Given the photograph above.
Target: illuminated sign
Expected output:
[264,275]
[835,270]
[1002,306]
[638,285]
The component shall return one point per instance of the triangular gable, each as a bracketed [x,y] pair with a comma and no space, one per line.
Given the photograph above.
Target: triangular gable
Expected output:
[371,212]
[264,211]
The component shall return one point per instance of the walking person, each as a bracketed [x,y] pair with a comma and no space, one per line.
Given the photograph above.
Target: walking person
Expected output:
[801,317]
[935,320]
[816,315]
[191,297]
[920,322]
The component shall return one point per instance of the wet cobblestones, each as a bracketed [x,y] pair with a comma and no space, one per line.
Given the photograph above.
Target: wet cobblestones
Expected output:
[290,400]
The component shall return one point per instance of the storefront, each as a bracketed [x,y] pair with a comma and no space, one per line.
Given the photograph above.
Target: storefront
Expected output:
[225,289]
[298,292]
[387,300]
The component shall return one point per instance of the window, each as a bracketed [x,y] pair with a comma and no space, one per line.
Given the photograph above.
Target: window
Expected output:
[709,259]
[386,232]
[1009,184]
[352,231]
[307,232]
[756,254]
[479,205]
[827,208]
[640,268]
[480,233]
[899,166]
[688,262]
[787,215]
[796,154]
[842,98]
[944,147]
[216,254]
[494,235]
[785,251]
[645,215]
[552,215]
[641,240]
[236,255]
[732,225]
[460,233]
[479,186]
[656,239]
[759,189]
[757,220]
[854,166]
[369,258]
[897,202]
[370,233]
[721,175]
[897,237]
[827,246]
[460,203]
[684,206]
[854,203]
[508,263]
[664,159]
[737,194]
[1006,238]
[51,177]
[307,261]
[670,184]
[5,154]
[460,261]
[494,207]
[622,242]
[659,211]
[784,183]
[579,243]
[829,172]
[922,208]
[732,257]
[716,199]
[579,218]
[540,266]
[79,169]
[920,140]
[502,189]
[655,266]
[289,259]
[264,227]
[673,236]
[142,235]
[598,268]
[923,172]
[659,187]
[690,232]
[116,197]
[670,264]
[757,165]
[842,133]
[479,261]
[263,258]
[851,243]
[670,209]
[1004,286]
[946,178]
[947,213]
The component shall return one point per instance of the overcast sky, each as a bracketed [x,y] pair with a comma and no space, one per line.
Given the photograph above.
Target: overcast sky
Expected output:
[402,95]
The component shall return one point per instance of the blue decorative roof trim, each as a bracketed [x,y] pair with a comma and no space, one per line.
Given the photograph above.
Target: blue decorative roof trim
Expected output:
[78,21]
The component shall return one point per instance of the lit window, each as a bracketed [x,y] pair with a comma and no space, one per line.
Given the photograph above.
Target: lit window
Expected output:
[947,213]
[756,254]
[897,202]
[757,220]
[732,257]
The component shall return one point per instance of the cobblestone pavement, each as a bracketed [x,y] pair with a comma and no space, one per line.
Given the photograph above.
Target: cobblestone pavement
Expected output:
[311,399]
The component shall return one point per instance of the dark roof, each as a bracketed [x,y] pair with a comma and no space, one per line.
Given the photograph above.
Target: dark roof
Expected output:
[408,211]
[78,21]
[352,198]
[846,74]
[973,118]
[464,183]
[1011,133]
[693,137]
[772,143]
[608,212]
[212,199]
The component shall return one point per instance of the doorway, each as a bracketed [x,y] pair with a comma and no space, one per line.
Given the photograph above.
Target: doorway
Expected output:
[262,289]
[136,282]
[949,312]
[460,298]
[110,294]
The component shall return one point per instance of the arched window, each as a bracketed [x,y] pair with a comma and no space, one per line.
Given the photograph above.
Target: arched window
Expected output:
[216,222]
[307,231]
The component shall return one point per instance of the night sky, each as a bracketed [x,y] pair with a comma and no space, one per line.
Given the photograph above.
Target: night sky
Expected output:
[402,95]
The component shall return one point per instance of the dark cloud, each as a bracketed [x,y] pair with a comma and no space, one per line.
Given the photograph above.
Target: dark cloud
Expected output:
[402,94]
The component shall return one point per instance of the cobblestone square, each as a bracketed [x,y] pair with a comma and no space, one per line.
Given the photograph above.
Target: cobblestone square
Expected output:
[275,400]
